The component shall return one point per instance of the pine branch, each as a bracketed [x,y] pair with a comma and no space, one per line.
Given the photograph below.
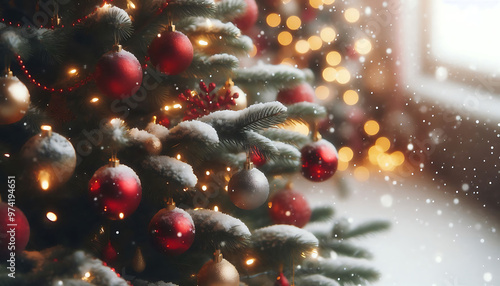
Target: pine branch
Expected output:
[316,280]
[286,136]
[268,76]
[227,10]
[367,228]
[345,249]
[12,42]
[190,8]
[281,167]
[279,244]
[114,20]
[174,172]
[322,214]
[216,66]
[261,145]
[306,112]
[345,272]
[189,131]
[216,230]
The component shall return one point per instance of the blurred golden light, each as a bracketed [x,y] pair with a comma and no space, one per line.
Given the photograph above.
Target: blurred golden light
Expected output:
[207,173]
[273,20]
[333,58]
[216,208]
[398,158]
[350,97]
[373,153]
[342,166]
[44,179]
[203,43]
[363,46]
[72,71]
[94,99]
[345,154]
[314,253]
[178,106]
[293,22]
[315,43]
[302,46]
[51,216]
[328,2]
[288,62]
[250,261]
[315,3]
[329,74]
[385,162]
[299,127]
[322,92]
[121,215]
[351,15]
[384,143]
[228,169]
[343,75]
[131,4]
[178,156]
[253,52]
[371,127]
[328,34]
[204,187]
[285,38]
[361,173]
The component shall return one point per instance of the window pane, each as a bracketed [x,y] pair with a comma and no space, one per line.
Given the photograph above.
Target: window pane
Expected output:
[467,33]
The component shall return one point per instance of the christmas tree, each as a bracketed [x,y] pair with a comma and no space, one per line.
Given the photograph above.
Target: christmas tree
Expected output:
[152,142]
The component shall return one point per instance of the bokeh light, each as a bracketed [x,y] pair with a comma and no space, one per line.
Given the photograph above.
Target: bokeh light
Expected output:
[328,34]
[384,143]
[343,75]
[329,74]
[285,38]
[361,173]
[302,46]
[351,15]
[333,58]
[371,127]
[322,92]
[293,22]
[345,154]
[315,43]
[273,20]
[351,97]
[363,46]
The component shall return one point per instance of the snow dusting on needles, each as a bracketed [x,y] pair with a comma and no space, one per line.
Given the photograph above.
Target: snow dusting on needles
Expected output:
[282,232]
[120,171]
[173,169]
[158,130]
[196,130]
[220,222]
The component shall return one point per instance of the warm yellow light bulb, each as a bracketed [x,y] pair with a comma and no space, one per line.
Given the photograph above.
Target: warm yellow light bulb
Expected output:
[329,74]
[273,20]
[343,75]
[351,97]
[293,22]
[51,216]
[345,154]
[322,92]
[285,38]
[302,46]
[363,46]
[333,58]
[328,34]
[250,261]
[316,3]
[315,43]
[371,127]
[384,143]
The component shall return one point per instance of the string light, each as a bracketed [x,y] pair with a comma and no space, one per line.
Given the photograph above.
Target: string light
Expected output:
[351,97]
[273,20]
[51,216]
[204,187]
[44,179]
[345,154]
[121,215]
[384,143]
[207,173]
[203,43]
[328,2]
[322,92]
[333,58]
[178,156]
[250,261]
[315,43]
[343,75]
[316,3]
[285,38]
[94,99]
[328,34]
[351,15]
[228,169]
[329,74]
[361,173]
[302,46]
[293,23]
[72,71]
[363,46]
[216,208]
[371,127]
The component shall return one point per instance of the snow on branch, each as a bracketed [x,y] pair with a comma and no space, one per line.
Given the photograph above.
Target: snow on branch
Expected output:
[218,230]
[172,170]
[306,112]
[316,280]
[158,130]
[219,64]
[227,10]
[346,271]
[191,8]
[279,244]
[115,18]
[11,42]
[269,76]
[145,140]
[194,130]
[286,136]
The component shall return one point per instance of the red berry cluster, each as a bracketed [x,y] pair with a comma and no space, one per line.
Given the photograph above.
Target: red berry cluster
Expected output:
[199,104]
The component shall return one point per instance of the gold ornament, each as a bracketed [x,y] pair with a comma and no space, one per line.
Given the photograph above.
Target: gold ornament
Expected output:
[138,263]
[14,99]
[218,272]
[50,158]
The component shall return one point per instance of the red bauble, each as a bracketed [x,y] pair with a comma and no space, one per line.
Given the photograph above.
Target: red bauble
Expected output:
[281,280]
[257,159]
[296,94]
[171,52]
[248,19]
[290,207]
[172,230]
[15,230]
[118,74]
[319,160]
[163,120]
[109,253]
[115,190]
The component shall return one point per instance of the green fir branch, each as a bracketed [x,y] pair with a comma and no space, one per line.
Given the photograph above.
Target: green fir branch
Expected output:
[344,248]
[216,66]
[315,280]
[286,136]
[268,76]
[281,167]
[179,9]
[367,228]
[306,112]
[344,272]
[227,10]
[322,214]
[13,42]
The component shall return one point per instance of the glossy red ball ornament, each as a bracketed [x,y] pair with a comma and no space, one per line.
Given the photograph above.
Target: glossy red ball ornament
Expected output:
[290,207]
[15,229]
[163,120]
[115,190]
[319,160]
[172,230]
[171,52]
[300,93]
[118,74]
[257,159]
[248,19]
[281,280]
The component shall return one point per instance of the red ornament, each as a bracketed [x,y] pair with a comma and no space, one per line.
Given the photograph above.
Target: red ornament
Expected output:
[290,207]
[118,74]
[281,280]
[171,52]
[319,160]
[115,190]
[296,94]
[248,19]
[257,159]
[163,120]
[15,229]
[109,253]
[172,230]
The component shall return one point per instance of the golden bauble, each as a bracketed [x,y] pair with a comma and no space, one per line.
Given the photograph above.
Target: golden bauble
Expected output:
[215,273]
[49,158]
[14,99]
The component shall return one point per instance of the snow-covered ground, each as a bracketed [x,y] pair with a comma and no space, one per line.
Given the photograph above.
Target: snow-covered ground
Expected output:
[438,236]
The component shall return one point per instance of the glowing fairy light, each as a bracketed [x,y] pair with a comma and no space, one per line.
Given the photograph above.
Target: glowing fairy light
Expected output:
[72,71]
[121,215]
[351,97]
[51,216]
[333,58]
[351,15]
[363,46]
[302,46]
[293,23]
[285,38]
[322,92]
[94,99]
[273,20]
[216,208]
[345,154]
[371,127]
[328,34]
[178,156]
[203,43]
[44,179]
[250,261]
[204,187]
